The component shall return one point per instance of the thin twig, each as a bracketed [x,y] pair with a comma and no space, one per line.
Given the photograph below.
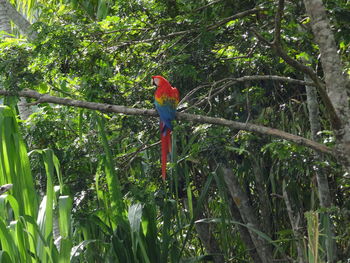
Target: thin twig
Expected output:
[228,82]
[206,6]
[277,47]
[199,29]
[248,55]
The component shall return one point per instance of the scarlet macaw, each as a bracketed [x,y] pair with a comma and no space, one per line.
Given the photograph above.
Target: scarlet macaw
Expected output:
[166,101]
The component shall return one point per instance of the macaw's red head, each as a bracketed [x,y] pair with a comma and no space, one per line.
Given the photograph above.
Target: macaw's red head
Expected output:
[160,81]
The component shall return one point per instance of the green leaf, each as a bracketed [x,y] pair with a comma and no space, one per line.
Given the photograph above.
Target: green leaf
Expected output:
[134,216]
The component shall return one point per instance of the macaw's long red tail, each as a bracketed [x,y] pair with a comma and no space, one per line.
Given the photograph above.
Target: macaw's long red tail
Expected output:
[165,138]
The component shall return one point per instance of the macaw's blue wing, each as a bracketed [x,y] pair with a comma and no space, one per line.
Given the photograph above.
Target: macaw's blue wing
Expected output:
[167,113]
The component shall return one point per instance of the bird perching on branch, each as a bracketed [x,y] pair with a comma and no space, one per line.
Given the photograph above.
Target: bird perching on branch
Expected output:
[166,101]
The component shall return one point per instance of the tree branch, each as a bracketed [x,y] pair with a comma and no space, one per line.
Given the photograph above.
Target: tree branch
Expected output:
[258,129]
[227,82]
[271,77]
[46,98]
[276,45]
[208,28]
[234,17]
[206,6]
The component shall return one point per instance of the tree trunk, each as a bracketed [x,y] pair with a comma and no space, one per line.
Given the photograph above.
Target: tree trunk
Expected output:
[244,233]
[248,215]
[6,27]
[205,234]
[336,85]
[21,22]
[322,181]
[336,81]
[7,11]
[24,110]
[210,243]
[4,20]
[260,182]
[295,219]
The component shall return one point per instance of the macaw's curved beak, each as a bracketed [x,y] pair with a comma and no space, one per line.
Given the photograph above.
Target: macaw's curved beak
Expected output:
[4,188]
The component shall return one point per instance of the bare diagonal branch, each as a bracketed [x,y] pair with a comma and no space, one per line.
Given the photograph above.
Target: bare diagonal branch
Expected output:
[42,98]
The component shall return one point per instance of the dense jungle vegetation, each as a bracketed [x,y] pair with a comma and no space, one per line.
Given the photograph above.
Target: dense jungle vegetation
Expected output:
[260,162]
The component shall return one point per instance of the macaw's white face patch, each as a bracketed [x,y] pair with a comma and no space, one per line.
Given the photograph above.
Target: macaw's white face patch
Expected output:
[156,81]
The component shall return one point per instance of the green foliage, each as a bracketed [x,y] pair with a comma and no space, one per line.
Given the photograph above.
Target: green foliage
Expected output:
[14,63]
[111,204]
[14,166]
[313,232]
[28,236]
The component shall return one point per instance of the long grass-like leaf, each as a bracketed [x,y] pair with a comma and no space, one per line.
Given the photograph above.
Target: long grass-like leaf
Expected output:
[313,237]
[262,235]
[65,204]
[112,179]
[200,202]
[45,217]
[166,231]
[13,204]
[21,240]
[15,169]
[134,216]
[76,250]
[4,257]
[150,231]
[8,243]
